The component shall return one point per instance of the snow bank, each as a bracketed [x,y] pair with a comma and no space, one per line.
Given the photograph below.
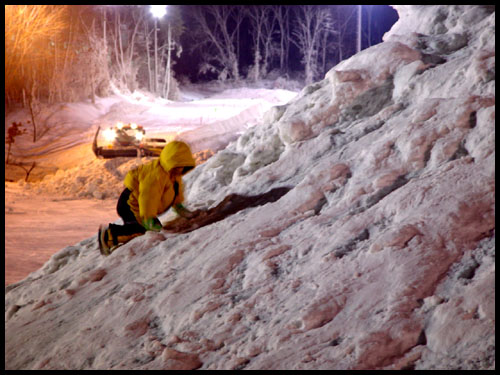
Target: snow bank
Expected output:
[379,256]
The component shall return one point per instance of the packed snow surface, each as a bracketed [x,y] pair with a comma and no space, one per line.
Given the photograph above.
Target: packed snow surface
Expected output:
[351,228]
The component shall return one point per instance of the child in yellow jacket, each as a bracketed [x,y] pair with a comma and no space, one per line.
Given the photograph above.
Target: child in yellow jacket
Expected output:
[150,190]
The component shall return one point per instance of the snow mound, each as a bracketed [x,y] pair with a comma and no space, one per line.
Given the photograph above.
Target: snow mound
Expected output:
[96,178]
[378,253]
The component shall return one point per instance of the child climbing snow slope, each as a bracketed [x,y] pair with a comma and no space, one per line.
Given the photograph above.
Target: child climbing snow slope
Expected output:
[150,190]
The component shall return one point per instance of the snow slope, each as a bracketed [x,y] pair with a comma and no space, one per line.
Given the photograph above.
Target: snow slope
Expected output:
[352,229]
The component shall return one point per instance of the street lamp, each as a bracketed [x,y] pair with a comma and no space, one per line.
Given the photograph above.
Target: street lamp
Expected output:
[157,11]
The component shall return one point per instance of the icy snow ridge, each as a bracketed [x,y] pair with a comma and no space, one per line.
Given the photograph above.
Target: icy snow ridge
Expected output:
[379,256]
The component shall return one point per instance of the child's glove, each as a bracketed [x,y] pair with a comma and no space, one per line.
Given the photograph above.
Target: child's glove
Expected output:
[183,211]
[152,224]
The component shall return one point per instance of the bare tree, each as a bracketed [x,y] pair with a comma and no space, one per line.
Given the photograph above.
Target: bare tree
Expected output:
[124,43]
[216,38]
[359,29]
[343,16]
[42,49]
[324,51]
[29,32]
[312,22]
[92,61]
[258,15]
[79,69]
[270,47]
[281,14]
[369,9]
[145,40]
[371,25]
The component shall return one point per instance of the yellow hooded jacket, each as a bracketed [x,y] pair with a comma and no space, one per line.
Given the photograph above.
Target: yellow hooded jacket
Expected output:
[152,185]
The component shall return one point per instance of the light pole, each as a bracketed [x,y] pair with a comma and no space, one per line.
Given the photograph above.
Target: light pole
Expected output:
[157,11]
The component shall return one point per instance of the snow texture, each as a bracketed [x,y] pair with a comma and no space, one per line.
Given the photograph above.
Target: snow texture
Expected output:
[354,229]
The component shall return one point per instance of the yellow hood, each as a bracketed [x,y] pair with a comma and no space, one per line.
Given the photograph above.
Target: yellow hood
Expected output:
[176,154]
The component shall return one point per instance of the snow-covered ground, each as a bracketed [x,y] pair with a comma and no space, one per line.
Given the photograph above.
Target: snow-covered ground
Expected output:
[39,225]
[78,190]
[352,228]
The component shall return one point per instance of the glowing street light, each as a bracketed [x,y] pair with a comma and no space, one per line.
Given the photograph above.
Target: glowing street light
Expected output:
[158,11]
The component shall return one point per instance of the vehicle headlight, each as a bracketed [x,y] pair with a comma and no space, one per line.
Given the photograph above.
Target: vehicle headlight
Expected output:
[133,125]
[119,125]
[109,134]
[139,136]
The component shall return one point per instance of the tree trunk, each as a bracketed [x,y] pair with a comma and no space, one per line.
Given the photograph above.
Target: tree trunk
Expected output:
[323,46]
[358,41]
[92,88]
[287,43]
[370,10]
[104,25]
[29,171]
[256,59]
[281,18]
[150,81]
[30,102]
[235,69]
[156,58]
[168,60]
[61,88]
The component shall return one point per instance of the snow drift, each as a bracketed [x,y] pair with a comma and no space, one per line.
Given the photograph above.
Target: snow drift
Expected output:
[375,248]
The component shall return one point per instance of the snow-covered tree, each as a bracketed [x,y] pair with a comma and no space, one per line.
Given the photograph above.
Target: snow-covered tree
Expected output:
[262,19]
[359,29]
[257,15]
[34,48]
[98,77]
[282,16]
[53,54]
[271,48]
[123,35]
[312,21]
[344,17]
